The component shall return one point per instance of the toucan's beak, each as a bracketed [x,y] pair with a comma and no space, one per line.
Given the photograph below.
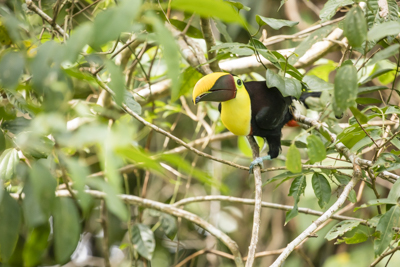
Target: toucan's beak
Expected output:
[217,87]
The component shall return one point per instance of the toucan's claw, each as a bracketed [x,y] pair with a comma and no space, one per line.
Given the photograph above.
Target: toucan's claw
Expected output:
[258,161]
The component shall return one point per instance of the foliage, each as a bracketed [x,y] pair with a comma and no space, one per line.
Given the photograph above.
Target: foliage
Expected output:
[72,90]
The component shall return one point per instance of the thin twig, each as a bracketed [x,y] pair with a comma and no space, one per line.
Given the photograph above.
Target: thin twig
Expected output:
[381,257]
[30,5]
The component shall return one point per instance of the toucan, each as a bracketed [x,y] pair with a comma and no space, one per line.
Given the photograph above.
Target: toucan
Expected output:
[248,108]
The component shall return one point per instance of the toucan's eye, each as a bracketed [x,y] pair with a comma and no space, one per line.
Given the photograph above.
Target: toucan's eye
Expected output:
[239,82]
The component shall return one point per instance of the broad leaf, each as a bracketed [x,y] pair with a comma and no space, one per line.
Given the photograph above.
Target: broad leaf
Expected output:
[10,222]
[287,86]
[67,229]
[274,23]
[131,103]
[296,189]
[8,162]
[117,83]
[36,245]
[345,87]
[316,149]
[358,237]
[389,220]
[170,52]
[377,202]
[384,29]
[330,8]
[355,27]
[322,189]
[11,68]
[293,159]
[341,228]
[317,84]
[359,115]
[143,240]
[209,8]
[385,53]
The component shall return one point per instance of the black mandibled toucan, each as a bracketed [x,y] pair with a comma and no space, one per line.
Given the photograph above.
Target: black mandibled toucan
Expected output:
[248,108]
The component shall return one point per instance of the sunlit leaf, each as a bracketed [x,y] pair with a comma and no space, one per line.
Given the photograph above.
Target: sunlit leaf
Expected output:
[275,23]
[8,162]
[36,245]
[316,149]
[293,159]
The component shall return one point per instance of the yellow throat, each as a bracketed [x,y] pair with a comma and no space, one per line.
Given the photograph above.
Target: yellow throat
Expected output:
[236,113]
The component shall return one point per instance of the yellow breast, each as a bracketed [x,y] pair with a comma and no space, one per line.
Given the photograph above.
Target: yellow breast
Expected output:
[236,113]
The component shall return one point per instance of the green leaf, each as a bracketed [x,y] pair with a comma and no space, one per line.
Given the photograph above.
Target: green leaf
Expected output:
[39,195]
[8,162]
[34,145]
[189,79]
[2,142]
[355,27]
[275,23]
[394,193]
[341,228]
[352,196]
[238,5]
[67,229]
[287,86]
[377,202]
[222,30]
[367,101]
[109,24]
[170,52]
[78,172]
[139,157]
[11,67]
[131,103]
[317,84]
[296,189]
[191,31]
[330,8]
[293,159]
[385,53]
[389,220]
[10,222]
[384,29]
[117,83]
[345,87]
[169,225]
[322,189]
[114,204]
[36,245]
[210,8]
[316,149]
[358,237]
[285,176]
[370,89]
[143,240]
[78,39]
[359,116]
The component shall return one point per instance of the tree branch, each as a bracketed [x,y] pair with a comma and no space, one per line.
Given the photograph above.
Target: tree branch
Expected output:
[264,204]
[328,214]
[151,204]
[46,17]
[257,203]
[210,42]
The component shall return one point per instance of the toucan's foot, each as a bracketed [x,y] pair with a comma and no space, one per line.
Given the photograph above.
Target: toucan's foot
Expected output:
[258,161]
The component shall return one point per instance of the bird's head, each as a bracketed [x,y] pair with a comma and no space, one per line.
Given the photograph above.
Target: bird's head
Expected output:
[217,87]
